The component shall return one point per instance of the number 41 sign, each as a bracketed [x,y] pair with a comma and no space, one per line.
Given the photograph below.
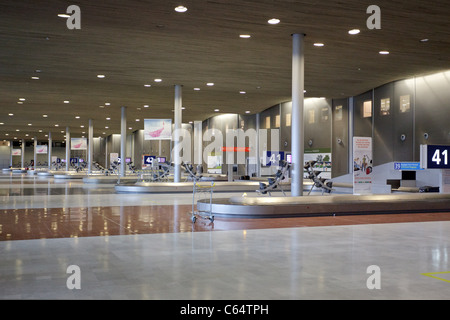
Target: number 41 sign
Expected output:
[434,156]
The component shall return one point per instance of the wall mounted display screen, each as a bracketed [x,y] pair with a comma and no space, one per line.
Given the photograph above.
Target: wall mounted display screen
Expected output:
[157,129]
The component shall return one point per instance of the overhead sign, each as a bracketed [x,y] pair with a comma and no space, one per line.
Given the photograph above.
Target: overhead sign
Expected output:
[407,166]
[434,156]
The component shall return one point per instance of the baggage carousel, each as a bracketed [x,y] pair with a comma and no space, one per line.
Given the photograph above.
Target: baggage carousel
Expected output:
[329,205]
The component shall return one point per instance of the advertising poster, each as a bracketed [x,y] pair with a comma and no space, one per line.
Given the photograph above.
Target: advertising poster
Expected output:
[17,152]
[78,144]
[322,156]
[362,165]
[157,129]
[41,149]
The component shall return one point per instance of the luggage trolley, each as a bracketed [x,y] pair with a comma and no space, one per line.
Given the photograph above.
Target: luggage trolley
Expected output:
[204,190]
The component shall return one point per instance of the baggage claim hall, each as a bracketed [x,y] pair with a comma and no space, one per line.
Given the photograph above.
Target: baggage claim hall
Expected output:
[225,150]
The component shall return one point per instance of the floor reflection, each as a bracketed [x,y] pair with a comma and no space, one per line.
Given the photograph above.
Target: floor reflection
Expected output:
[21,224]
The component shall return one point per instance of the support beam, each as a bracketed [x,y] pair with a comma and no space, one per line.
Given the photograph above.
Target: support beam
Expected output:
[23,154]
[177,126]
[90,145]
[49,151]
[297,128]
[67,148]
[35,153]
[123,140]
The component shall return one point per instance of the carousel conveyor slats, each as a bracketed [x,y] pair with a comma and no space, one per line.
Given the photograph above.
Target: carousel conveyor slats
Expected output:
[326,205]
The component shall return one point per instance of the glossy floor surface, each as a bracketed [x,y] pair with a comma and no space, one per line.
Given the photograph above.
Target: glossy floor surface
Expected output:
[146,247]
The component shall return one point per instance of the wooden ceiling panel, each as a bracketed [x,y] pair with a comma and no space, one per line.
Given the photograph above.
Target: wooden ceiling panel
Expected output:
[136,41]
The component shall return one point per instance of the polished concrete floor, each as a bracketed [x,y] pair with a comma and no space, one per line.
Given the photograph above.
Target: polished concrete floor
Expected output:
[146,247]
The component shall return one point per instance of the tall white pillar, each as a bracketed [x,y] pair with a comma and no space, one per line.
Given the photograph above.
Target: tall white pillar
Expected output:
[123,140]
[67,148]
[35,153]
[23,154]
[90,145]
[177,127]
[297,128]
[49,151]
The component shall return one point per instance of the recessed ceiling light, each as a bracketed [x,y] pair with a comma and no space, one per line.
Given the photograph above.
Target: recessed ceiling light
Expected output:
[35,78]
[101,106]
[424,40]
[147,85]
[158,80]
[354,31]
[210,84]
[242,92]
[245,36]
[247,111]
[2,123]
[196,89]
[44,115]
[81,126]
[274,21]
[63,15]
[216,110]
[181,9]
[19,102]
[30,124]
[22,99]
[146,106]
[384,52]
[66,101]
[106,127]
[108,118]
[101,76]
[10,114]
[107,104]
[77,117]
[137,120]
[130,128]
[56,125]
[319,44]
[17,130]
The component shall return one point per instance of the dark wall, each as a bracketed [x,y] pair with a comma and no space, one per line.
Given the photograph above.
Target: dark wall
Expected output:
[432,110]
[339,140]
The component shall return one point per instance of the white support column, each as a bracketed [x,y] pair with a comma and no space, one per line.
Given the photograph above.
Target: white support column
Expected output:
[297,128]
[49,151]
[35,153]
[11,148]
[177,126]
[23,154]
[90,145]
[67,148]
[123,140]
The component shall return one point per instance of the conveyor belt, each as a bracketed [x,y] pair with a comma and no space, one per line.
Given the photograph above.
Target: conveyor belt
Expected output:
[326,205]
[167,187]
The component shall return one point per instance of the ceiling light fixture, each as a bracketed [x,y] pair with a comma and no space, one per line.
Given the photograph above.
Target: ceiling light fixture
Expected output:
[22,99]
[44,115]
[274,21]
[384,52]
[101,76]
[181,9]
[354,31]
[216,110]
[147,85]
[210,84]
[319,44]
[242,92]
[424,40]
[66,101]
[158,80]
[35,78]
[63,15]
[10,114]
[196,89]
[245,36]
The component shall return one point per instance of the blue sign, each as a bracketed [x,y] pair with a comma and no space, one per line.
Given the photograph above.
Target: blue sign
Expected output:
[148,160]
[407,166]
[438,157]
[274,158]
[73,160]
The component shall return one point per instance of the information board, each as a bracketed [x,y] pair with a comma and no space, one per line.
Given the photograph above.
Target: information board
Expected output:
[434,156]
